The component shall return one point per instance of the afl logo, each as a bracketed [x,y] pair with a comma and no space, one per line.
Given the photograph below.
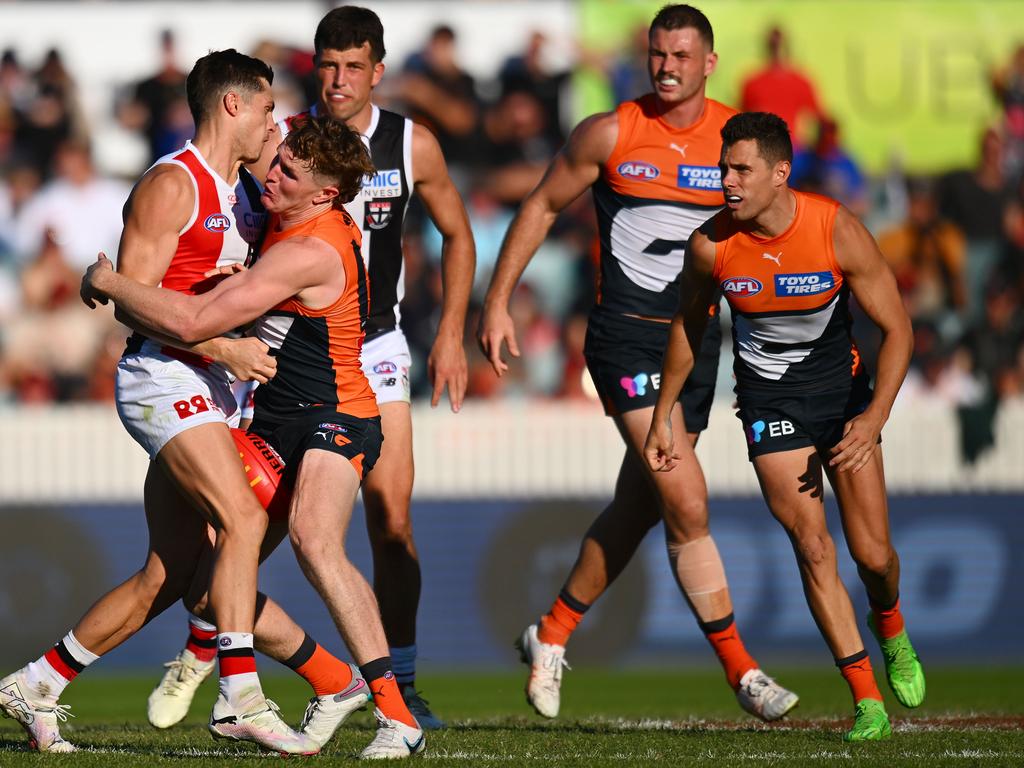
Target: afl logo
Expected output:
[385,368]
[634,169]
[217,222]
[741,286]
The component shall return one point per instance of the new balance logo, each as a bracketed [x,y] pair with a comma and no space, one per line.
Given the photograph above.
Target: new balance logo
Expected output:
[776,258]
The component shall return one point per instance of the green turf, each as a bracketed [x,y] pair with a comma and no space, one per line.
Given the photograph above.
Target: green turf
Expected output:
[971,717]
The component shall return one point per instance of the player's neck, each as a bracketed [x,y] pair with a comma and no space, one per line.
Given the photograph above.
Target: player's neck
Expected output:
[218,152]
[777,217]
[294,217]
[685,113]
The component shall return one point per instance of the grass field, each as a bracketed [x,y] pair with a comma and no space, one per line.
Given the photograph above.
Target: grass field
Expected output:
[971,717]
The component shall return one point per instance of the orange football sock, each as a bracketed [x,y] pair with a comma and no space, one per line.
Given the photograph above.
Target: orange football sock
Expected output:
[558,624]
[888,621]
[386,696]
[857,672]
[727,645]
[322,670]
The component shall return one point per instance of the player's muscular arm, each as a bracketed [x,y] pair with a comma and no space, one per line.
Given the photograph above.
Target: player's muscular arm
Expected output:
[158,209]
[303,267]
[572,171]
[446,365]
[696,294]
[872,283]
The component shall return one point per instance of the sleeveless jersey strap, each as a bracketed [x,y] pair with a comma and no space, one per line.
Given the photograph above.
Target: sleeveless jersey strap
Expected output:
[252,193]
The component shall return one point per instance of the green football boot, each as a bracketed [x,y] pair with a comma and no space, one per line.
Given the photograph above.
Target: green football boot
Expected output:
[870,723]
[903,669]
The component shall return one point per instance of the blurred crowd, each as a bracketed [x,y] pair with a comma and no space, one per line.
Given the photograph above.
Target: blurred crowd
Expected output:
[955,240]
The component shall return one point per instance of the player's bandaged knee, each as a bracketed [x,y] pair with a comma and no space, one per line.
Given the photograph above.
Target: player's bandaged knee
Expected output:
[264,469]
[698,567]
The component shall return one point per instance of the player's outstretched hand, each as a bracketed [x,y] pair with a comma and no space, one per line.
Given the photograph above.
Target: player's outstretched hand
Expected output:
[247,358]
[496,327]
[446,367]
[660,450]
[860,439]
[91,292]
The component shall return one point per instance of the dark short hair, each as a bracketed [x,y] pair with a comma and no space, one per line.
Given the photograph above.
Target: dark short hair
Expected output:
[349,27]
[769,131]
[682,16]
[333,152]
[218,72]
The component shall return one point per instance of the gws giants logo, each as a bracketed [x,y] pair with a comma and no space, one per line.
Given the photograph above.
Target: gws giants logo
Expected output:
[634,169]
[741,287]
[217,222]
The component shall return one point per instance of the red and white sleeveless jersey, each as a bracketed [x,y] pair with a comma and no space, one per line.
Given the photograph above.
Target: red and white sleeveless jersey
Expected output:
[791,322]
[224,222]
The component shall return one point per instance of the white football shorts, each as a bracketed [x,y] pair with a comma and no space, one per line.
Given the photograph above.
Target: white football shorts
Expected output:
[386,362]
[159,397]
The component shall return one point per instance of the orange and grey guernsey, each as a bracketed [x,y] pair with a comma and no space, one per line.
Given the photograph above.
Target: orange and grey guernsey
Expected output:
[791,319]
[317,350]
[659,184]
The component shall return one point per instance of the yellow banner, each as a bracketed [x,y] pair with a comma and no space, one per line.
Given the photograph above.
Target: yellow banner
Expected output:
[906,79]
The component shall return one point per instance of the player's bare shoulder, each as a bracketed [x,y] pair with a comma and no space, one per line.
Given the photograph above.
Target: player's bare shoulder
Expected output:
[165,188]
[705,239]
[594,138]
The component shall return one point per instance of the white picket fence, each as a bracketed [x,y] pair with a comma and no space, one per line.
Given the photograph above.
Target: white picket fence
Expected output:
[508,449]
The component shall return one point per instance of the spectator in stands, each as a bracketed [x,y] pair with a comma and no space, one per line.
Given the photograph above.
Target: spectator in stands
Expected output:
[441,95]
[518,147]
[976,200]
[927,255]
[1008,86]
[80,209]
[826,168]
[160,94]
[528,72]
[781,88]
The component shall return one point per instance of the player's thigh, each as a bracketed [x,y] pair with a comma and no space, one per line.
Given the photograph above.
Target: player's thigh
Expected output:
[388,487]
[792,484]
[864,508]
[682,491]
[177,532]
[325,491]
[203,462]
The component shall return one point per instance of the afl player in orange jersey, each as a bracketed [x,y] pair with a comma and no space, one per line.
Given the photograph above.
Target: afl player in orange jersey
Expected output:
[309,294]
[787,262]
[652,167]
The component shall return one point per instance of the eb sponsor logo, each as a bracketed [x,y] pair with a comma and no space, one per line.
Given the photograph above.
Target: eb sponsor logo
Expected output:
[698,177]
[741,286]
[634,169]
[217,222]
[803,283]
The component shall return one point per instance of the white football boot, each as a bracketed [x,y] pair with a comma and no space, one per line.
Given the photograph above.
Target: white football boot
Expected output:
[762,697]
[258,721]
[37,713]
[324,714]
[394,740]
[546,661]
[169,702]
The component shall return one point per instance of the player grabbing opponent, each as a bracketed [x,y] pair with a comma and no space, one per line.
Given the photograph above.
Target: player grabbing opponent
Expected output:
[652,167]
[349,50]
[787,262]
[309,290]
[192,212]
